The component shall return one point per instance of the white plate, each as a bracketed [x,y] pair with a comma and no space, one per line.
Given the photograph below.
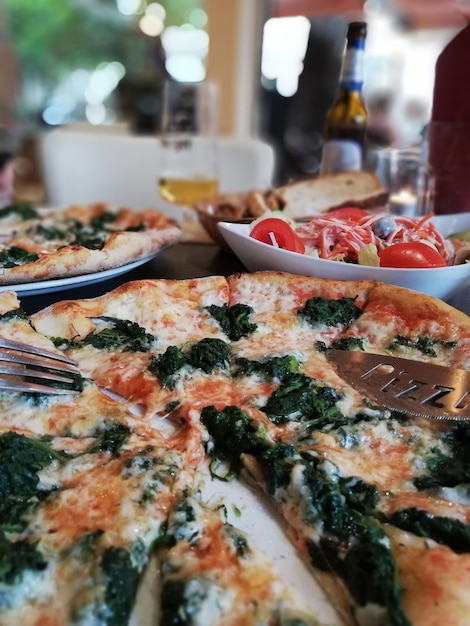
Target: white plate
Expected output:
[440,282]
[72,282]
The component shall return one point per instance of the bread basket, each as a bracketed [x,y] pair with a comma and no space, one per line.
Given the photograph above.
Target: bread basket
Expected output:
[236,208]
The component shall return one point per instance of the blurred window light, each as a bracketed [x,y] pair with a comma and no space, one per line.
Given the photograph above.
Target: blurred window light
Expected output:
[53,115]
[185,67]
[185,39]
[197,18]
[78,80]
[155,8]
[151,25]
[117,69]
[102,83]
[285,42]
[64,102]
[287,84]
[95,113]
[130,7]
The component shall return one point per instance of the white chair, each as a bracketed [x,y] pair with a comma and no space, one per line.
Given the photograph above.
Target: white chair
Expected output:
[122,169]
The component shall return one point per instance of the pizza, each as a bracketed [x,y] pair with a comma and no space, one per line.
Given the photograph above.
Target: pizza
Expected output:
[47,244]
[193,388]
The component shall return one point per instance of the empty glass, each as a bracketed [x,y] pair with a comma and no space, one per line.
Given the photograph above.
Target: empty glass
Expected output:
[409,181]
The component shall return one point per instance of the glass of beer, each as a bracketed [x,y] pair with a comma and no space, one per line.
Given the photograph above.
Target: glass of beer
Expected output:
[188,147]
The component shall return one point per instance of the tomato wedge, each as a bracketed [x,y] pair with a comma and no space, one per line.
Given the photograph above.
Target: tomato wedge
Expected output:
[283,234]
[410,254]
[348,214]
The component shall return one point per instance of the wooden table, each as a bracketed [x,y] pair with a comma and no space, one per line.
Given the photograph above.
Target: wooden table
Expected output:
[185,260]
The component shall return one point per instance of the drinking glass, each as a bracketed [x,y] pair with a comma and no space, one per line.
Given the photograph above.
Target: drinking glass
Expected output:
[188,148]
[409,181]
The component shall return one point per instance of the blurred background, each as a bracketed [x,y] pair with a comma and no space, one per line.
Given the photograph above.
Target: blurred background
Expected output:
[101,63]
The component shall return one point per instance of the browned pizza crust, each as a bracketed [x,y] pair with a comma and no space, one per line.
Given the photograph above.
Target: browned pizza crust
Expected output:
[121,249]
[417,306]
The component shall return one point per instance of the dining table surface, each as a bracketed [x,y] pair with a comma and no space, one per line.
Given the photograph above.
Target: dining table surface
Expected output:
[183,260]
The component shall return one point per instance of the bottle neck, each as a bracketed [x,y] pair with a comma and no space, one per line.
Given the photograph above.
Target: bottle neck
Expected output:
[352,71]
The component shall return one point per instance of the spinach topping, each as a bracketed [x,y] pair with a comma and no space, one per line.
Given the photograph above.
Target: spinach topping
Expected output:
[92,242]
[166,366]
[85,546]
[448,470]
[15,256]
[278,368]
[16,558]
[349,343]
[13,315]
[340,312]
[22,210]
[74,232]
[240,544]
[110,438]
[122,579]
[232,431]
[445,530]
[353,544]
[51,233]
[100,222]
[207,355]
[21,458]
[300,398]
[425,345]
[181,601]
[123,334]
[233,320]
[159,472]
[372,577]
[93,235]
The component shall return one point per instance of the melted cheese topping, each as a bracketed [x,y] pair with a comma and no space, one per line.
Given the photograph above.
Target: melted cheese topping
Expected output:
[383,453]
[125,498]
[434,580]
[227,580]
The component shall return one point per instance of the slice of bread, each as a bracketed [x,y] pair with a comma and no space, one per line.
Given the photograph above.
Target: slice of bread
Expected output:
[315,196]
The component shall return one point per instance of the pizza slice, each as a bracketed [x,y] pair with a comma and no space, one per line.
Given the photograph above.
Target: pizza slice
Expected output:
[16,218]
[213,574]
[282,360]
[80,240]
[154,342]
[78,519]
[290,313]
[329,518]
[372,505]
[412,325]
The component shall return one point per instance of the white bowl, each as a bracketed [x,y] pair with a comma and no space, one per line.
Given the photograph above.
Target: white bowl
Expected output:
[440,282]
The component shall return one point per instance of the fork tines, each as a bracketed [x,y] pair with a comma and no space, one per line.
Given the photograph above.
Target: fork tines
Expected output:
[30,369]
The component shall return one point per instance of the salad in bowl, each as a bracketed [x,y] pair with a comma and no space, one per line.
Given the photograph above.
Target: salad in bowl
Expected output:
[427,254]
[352,235]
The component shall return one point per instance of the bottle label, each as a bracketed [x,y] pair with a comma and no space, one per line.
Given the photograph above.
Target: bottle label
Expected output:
[340,155]
[352,70]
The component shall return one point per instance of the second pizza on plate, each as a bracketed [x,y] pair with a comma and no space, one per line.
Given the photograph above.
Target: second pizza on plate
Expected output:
[82,239]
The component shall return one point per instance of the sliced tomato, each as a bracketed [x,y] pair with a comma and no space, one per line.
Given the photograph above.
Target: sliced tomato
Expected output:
[283,234]
[348,214]
[410,254]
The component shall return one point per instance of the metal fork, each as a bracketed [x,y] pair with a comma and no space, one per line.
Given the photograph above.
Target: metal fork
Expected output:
[26,368]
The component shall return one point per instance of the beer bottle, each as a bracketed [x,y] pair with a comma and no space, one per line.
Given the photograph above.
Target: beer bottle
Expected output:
[346,122]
